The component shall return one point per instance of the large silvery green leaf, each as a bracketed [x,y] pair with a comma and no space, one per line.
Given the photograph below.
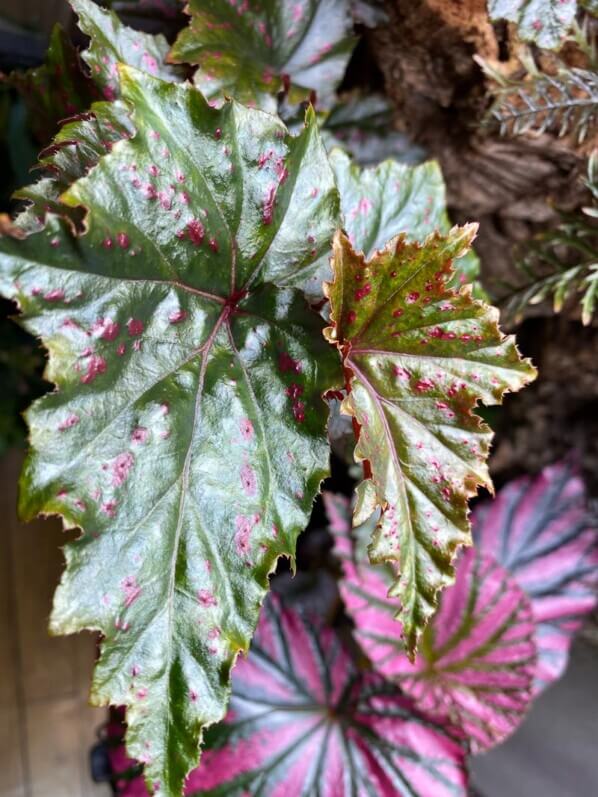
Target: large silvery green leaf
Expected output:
[541,531]
[187,434]
[304,721]
[113,43]
[392,198]
[250,50]
[544,22]
[477,659]
[419,357]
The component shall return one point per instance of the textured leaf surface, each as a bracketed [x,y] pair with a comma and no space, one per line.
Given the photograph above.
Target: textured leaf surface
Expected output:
[250,50]
[392,198]
[545,22]
[539,529]
[187,434]
[419,356]
[477,659]
[113,43]
[56,90]
[303,721]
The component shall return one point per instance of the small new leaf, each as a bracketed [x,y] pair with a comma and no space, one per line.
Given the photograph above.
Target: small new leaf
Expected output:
[186,436]
[419,356]
[252,51]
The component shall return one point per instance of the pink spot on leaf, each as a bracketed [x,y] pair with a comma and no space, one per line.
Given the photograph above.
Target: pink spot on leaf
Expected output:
[177,316]
[68,423]
[131,589]
[248,480]
[134,327]
[121,468]
[247,430]
[95,367]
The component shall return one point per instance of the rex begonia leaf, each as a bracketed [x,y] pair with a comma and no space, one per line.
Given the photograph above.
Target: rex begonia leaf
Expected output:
[303,721]
[187,434]
[113,43]
[55,90]
[251,50]
[539,529]
[392,198]
[418,356]
[544,22]
[75,150]
[477,656]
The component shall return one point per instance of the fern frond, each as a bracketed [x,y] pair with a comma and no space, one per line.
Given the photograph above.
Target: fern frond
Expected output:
[561,262]
[566,103]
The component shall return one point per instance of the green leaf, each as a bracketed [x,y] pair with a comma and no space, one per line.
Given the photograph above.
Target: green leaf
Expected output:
[544,22]
[420,356]
[75,150]
[379,203]
[113,43]
[56,90]
[250,51]
[187,435]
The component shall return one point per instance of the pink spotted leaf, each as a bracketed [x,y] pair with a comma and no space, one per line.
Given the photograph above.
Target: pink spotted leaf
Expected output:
[113,43]
[477,656]
[544,22]
[540,530]
[186,436]
[418,356]
[252,51]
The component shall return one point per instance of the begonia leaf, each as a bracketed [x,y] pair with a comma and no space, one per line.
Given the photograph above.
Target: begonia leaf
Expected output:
[303,721]
[55,90]
[186,436]
[251,50]
[544,22]
[113,43]
[418,356]
[540,530]
[477,657]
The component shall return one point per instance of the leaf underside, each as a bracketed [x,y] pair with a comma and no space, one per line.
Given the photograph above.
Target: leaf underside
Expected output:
[303,721]
[187,435]
[540,531]
[419,357]
[249,50]
[544,22]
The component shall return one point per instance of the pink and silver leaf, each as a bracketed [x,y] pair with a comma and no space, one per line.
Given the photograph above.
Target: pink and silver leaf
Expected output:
[303,720]
[476,663]
[540,530]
